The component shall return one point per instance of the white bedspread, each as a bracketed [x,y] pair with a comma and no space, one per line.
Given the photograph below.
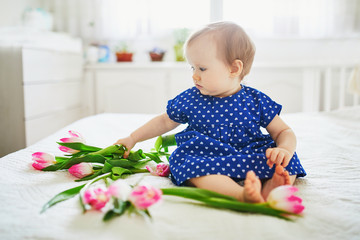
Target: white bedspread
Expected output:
[328,146]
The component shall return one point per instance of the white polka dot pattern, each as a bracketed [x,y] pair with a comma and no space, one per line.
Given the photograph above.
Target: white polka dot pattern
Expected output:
[223,135]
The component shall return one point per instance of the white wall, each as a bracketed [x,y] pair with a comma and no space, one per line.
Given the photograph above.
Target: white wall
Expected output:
[327,50]
[11,10]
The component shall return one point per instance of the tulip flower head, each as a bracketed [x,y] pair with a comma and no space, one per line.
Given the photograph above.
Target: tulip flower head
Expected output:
[120,189]
[96,197]
[81,170]
[161,170]
[145,196]
[74,137]
[42,160]
[282,198]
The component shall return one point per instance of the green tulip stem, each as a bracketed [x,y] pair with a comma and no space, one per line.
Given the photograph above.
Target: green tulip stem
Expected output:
[109,150]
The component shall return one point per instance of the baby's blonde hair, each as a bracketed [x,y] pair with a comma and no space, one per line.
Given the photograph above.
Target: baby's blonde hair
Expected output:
[232,43]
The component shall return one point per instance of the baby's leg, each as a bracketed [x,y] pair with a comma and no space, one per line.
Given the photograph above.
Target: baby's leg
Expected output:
[251,192]
[280,177]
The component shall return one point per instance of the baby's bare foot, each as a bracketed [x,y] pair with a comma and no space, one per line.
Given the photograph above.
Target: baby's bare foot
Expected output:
[280,177]
[252,189]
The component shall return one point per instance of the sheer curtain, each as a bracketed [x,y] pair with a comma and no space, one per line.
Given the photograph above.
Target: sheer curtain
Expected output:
[296,18]
[125,19]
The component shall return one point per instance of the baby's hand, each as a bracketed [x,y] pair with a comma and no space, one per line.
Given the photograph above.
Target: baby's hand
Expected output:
[127,142]
[278,156]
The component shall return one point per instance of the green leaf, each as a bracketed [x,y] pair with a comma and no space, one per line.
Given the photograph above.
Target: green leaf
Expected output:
[136,155]
[97,167]
[107,167]
[79,154]
[79,146]
[194,193]
[117,172]
[165,142]
[124,163]
[218,200]
[75,160]
[65,195]
[141,164]
[118,149]
[82,204]
[121,206]
[98,173]
[53,167]
[158,144]
[246,207]
[119,209]
[168,140]
[87,158]
[146,211]
[136,170]
[109,215]
[154,157]
[60,159]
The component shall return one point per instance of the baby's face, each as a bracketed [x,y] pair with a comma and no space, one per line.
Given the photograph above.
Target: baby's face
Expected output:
[210,74]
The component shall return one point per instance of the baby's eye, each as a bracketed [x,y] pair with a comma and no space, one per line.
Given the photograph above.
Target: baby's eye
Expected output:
[202,69]
[192,68]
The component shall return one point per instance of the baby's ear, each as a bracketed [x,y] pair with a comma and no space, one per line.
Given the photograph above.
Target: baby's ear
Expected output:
[236,68]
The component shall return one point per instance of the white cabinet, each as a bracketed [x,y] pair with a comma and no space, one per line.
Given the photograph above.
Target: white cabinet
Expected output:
[134,87]
[146,87]
[130,92]
[41,92]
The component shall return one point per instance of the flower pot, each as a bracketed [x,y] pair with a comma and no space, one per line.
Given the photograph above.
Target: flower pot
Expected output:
[124,57]
[179,56]
[156,56]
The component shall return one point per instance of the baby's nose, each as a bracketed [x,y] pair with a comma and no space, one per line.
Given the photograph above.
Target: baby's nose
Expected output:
[196,77]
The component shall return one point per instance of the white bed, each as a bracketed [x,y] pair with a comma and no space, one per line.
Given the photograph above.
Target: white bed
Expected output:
[328,146]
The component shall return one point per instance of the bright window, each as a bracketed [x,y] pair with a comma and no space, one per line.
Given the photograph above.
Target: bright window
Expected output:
[127,19]
[154,19]
[295,18]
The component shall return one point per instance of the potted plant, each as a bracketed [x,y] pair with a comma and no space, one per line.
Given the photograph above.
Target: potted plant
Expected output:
[123,55]
[180,38]
[157,54]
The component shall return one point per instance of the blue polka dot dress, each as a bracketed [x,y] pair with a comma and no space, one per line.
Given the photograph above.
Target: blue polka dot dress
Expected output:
[223,135]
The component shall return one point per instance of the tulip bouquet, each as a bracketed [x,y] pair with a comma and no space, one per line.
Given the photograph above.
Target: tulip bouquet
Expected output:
[88,162]
[115,196]
[92,164]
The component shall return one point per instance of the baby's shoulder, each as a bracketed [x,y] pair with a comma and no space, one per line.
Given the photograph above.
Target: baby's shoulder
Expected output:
[190,93]
[253,93]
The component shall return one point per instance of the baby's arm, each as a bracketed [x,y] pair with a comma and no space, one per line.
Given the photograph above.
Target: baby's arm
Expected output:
[155,127]
[285,141]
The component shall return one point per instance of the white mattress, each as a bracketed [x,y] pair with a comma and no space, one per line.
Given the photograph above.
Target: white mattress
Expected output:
[328,146]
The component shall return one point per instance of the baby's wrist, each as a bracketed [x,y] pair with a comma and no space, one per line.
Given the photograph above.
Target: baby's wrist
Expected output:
[287,150]
[132,138]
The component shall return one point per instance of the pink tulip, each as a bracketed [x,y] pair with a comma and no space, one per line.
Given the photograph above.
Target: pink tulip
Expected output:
[144,196]
[120,189]
[42,160]
[68,150]
[75,137]
[282,198]
[162,170]
[97,198]
[81,170]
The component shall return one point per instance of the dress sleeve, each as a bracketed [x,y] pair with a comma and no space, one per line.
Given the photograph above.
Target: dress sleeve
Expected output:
[268,109]
[176,109]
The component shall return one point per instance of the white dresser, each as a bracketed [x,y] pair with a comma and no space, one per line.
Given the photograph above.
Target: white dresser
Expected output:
[41,80]
[135,87]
